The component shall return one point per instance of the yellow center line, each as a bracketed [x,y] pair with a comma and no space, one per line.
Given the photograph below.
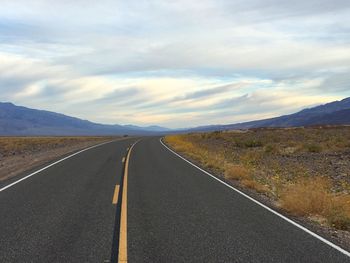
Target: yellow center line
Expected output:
[116,195]
[123,244]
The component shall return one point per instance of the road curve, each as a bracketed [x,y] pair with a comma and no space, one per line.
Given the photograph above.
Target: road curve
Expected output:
[177,213]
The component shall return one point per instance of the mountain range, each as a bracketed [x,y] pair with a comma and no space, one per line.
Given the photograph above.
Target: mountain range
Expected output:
[333,113]
[22,121]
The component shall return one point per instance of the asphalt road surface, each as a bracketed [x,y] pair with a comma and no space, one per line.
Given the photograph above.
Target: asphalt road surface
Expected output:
[174,213]
[64,213]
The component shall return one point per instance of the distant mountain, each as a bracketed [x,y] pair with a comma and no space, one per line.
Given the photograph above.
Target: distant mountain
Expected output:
[152,128]
[22,121]
[334,113]
[340,117]
[328,108]
[17,120]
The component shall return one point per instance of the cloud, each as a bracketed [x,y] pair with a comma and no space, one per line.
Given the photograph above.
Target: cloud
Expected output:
[209,92]
[336,82]
[174,63]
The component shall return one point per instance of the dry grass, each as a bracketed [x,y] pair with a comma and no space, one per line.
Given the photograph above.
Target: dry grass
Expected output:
[307,196]
[284,164]
[236,172]
[253,184]
[20,145]
[312,196]
[339,213]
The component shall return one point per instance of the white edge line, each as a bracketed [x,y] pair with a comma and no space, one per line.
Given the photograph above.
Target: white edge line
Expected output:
[264,206]
[52,164]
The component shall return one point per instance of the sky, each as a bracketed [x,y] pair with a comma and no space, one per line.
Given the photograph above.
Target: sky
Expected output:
[174,63]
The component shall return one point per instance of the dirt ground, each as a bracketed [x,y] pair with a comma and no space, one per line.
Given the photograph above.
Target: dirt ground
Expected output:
[19,154]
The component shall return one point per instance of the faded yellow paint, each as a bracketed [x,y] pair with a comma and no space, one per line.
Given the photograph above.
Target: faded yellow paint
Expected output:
[116,195]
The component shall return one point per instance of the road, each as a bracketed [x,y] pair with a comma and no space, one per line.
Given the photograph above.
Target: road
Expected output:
[64,213]
[169,211]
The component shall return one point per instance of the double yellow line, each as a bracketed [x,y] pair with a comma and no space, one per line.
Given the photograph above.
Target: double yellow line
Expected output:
[123,248]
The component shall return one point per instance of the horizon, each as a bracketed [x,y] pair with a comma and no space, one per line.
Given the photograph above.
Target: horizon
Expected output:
[176,128]
[169,64]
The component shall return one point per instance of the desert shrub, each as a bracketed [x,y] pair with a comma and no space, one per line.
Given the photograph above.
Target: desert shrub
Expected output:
[214,161]
[312,196]
[255,185]
[338,213]
[251,158]
[236,172]
[252,143]
[313,148]
[179,143]
[214,135]
[306,196]
[196,151]
[270,148]
[247,142]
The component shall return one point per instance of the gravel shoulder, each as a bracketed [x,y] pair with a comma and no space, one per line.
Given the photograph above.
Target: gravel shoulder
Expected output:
[20,154]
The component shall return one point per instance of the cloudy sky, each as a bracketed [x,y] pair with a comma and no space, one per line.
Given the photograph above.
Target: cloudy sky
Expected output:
[174,63]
